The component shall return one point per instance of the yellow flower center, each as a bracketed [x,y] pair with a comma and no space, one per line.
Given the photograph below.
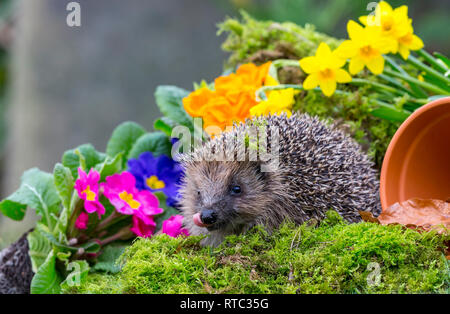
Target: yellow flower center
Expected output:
[154,183]
[128,198]
[90,196]
[367,52]
[387,25]
[326,74]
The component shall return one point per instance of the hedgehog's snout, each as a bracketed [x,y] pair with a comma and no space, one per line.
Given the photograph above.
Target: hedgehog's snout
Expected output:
[208,216]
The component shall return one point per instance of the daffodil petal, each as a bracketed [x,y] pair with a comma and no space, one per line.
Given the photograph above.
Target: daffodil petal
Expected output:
[356,65]
[363,20]
[384,7]
[416,43]
[354,30]
[346,49]
[403,51]
[310,64]
[376,65]
[342,76]
[323,51]
[401,13]
[328,87]
[386,45]
[311,81]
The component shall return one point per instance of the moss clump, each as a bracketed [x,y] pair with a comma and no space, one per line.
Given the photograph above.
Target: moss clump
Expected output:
[256,41]
[247,39]
[330,258]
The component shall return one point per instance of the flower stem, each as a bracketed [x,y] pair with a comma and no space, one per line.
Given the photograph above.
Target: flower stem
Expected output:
[106,222]
[261,93]
[273,70]
[397,84]
[432,88]
[416,89]
[125,232]
[416,62]
[431,60]
[376,85]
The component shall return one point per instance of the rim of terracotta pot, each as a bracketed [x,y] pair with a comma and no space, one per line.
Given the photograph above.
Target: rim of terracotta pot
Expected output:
[387,161]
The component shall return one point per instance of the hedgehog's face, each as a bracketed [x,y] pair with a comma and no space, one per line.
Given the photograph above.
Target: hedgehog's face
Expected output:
[223,195]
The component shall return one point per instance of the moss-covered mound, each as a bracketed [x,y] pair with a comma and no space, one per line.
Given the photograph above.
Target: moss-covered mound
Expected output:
[334,257]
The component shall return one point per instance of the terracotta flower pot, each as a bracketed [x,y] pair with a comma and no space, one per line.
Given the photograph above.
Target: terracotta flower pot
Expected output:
[417,162]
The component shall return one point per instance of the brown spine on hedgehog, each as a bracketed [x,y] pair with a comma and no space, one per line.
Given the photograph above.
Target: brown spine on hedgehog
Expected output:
[319,168]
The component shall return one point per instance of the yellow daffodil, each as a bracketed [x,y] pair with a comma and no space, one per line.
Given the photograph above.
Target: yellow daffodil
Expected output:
[409,42]
[278,101]
[395,25]
[324,70]
[364,48]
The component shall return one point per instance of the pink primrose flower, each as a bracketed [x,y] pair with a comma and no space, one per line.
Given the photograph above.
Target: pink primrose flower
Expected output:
[87,188]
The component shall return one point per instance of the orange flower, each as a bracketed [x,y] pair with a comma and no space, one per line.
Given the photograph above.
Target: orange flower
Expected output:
[196,101]
[232,98]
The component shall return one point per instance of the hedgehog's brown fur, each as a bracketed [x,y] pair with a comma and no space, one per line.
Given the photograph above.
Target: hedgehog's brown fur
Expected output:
[320,168]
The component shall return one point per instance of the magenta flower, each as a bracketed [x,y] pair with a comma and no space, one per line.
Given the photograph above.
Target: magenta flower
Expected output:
[141,228]
[173,226]
[128,200]
[87,188]
[82,221]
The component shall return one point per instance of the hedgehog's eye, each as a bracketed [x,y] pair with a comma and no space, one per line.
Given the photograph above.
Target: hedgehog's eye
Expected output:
[236,190]
[198,193]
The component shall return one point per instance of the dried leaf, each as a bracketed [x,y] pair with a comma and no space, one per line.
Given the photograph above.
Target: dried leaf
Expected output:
[368,217]
[418,213]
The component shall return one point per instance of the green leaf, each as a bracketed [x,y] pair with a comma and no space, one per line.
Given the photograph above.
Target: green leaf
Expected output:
[158,143]
[389,114]
[444,59]
[37,191]
[91,247]
[63,256]
[64,183]
[13,209]
[431,98]
[170,102]
[111,166]
[79,272]
[108,260]
[165,125]
[47,280]
[123,138]
[87,154]
[51,238]
[39,247]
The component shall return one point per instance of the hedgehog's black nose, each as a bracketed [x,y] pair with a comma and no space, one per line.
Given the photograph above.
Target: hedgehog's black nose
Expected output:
[208,216]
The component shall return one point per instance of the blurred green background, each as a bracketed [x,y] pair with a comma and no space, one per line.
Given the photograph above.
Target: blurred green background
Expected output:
[61,87]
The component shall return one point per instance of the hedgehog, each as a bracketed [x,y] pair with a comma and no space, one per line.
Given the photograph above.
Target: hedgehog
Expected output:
[274,168]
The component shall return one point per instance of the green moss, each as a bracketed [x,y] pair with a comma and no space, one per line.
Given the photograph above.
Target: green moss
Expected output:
[246,40]
[330,258]
[251,36]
